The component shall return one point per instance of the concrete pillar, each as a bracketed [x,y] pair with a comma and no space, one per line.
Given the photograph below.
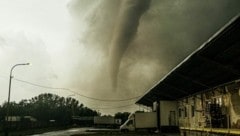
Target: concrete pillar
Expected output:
[158,116]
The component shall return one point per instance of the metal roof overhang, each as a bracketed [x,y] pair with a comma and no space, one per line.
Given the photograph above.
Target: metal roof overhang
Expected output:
[216,62]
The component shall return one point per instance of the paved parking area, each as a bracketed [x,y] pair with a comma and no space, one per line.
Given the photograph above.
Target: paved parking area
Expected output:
[126,134]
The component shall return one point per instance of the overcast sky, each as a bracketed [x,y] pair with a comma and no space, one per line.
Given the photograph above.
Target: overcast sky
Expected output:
[68,44]
[35,32]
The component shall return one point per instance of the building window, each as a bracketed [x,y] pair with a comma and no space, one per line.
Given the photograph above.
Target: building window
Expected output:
[185,111]
[192,110]
[179,112]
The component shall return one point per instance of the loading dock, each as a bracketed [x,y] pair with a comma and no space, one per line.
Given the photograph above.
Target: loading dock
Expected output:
[206,85]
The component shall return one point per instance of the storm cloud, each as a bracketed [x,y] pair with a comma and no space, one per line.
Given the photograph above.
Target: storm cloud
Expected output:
[89,46]
[142,42]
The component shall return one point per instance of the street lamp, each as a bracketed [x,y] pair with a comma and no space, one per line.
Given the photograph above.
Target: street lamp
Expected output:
[9,91]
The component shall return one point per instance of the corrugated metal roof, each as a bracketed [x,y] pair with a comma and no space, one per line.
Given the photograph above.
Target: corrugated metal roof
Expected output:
[216,62]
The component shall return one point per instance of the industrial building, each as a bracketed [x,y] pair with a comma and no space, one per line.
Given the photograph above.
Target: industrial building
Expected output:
[204,89]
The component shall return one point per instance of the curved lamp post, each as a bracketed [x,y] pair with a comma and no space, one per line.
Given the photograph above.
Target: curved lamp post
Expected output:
[9,91]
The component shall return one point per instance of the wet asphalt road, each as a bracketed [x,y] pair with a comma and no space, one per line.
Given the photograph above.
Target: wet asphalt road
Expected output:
[95,132]
[67,132]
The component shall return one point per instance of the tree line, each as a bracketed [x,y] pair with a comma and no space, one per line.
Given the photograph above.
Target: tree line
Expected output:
[48,107]
[49,110]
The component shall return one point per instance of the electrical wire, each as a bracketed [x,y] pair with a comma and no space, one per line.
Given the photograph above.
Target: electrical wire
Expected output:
[76,93]
[66,89]
[123,106]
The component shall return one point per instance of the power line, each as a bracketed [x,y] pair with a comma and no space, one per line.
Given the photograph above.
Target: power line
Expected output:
[66,89]
[76,93]
[123,106]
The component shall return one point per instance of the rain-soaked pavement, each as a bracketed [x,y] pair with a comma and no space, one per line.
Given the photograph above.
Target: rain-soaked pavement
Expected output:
[95,132]
[67,132]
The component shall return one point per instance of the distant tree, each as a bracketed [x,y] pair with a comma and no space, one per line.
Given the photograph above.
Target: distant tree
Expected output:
[46,107]
[2,113]
[122,115]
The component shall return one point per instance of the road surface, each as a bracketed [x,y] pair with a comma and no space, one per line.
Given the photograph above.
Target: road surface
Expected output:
[96,132]
[67,132]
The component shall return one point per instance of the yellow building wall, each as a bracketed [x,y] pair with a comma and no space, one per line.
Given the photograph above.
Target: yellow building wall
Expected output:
[216,111]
